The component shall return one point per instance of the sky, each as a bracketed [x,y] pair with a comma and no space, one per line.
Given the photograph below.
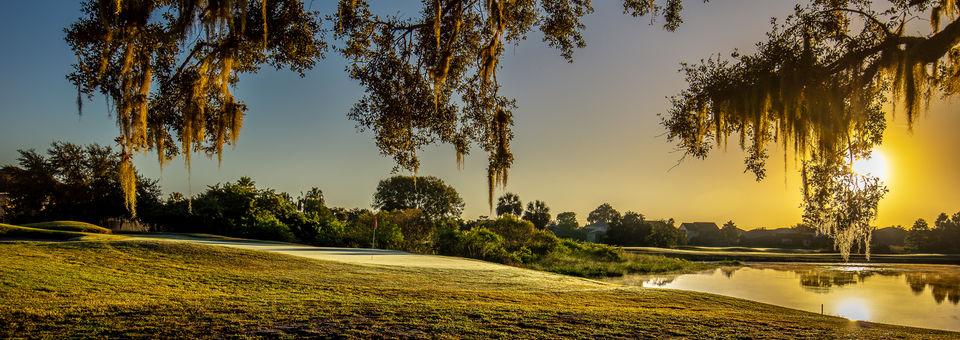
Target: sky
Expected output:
[586,132]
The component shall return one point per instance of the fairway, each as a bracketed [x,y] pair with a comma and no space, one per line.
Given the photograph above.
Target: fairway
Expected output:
[179,289]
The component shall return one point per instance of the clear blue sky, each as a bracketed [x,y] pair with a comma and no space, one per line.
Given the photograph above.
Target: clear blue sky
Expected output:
[587,132]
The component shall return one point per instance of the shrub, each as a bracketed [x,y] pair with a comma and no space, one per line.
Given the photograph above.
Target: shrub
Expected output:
[418,230]
[516,232]
[359,232]
[477,243]
[543,243]
[265,226]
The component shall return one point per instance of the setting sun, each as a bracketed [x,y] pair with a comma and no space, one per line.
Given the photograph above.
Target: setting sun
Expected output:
[876,165]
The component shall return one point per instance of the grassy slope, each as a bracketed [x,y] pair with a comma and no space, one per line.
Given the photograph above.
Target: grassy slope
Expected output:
[151,289]
[24,233]
[585,266]
[70,226]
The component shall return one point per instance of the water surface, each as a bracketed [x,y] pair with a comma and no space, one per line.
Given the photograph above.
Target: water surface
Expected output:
[925,296]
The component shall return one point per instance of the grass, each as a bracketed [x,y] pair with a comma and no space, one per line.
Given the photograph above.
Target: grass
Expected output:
[156,289]
[583,264]
[8,231]
[82,227]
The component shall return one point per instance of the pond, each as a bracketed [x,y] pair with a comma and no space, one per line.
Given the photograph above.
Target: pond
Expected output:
[924,296]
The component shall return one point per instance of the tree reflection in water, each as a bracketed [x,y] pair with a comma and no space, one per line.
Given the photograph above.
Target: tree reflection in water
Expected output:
[943,285]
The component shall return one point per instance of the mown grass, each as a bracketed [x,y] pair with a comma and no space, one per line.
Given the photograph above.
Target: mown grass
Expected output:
[82,227]
[179,290]
[8,231]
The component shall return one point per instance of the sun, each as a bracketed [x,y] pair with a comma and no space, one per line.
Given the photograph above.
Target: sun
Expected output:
[876,166]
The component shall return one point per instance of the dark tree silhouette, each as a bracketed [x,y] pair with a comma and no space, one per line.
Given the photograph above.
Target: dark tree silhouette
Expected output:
[630,230]
[730,233]
[312,201]
[537,213]
[567,226]
[69,182]
[509,203]
[605,213]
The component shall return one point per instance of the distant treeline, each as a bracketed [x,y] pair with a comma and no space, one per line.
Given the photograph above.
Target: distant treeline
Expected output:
[423,214]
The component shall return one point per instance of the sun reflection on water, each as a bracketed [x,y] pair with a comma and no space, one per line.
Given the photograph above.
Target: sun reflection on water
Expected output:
[855,309]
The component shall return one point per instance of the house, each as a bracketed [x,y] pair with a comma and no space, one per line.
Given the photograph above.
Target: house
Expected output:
[596,231]
[701,233]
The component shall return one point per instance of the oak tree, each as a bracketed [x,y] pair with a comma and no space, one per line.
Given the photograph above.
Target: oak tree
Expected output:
[820,86]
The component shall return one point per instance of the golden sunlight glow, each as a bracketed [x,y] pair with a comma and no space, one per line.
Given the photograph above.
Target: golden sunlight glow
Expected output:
[876,166]
[853,309]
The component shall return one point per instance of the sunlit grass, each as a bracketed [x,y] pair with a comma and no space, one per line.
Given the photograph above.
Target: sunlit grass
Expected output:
[70,226]
[157,289]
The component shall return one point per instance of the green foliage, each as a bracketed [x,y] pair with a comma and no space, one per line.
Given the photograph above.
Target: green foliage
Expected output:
[266,226]
[70,226]
[477,243]
[567,226]
[312,201]
[240,209]
[429,194]
[360,231]
[537,213]
[599,260]
[515,231]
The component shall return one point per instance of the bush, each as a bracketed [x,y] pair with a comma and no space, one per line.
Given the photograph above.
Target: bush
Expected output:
[516,232]
[477,243]
[543,243]
[267,227]
[359,232]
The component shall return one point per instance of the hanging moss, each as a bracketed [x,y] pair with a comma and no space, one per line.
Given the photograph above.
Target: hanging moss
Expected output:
[818,88]
[169,84]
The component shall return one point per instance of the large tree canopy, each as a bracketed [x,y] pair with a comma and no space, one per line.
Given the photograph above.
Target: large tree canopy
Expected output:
[429,194]
[167,67]
[819,86]
[432,77]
